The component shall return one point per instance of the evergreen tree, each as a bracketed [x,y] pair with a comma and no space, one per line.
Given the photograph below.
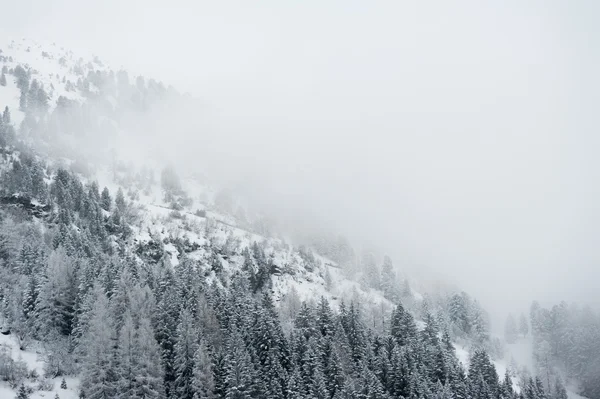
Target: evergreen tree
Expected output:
[3,79]
[333,373]
[370,270]
[6,116]
[166,326]
[38,185]
[105,199]
[219,375]
[295,388]
[355,333]
[41,99]
[23,101]
[120,201]
[203,378]
[56,299]
[442,392]
[324,318]
[22,393]
[32,95]
[510,330]
[480,323]
[127,357]
[507,391]
[99,371]
[148,383]
[530,390]
[539,388]
[388,280]
[185,350]
[523,325]
[559,391]
[458,313]
[240,374]
[402,326]
[481,366]
[305,321]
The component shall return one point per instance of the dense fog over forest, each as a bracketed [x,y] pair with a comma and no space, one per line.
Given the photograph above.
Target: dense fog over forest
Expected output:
[462,144]
[454,140]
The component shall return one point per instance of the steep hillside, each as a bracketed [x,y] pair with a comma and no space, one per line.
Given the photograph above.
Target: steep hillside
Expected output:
[128,278]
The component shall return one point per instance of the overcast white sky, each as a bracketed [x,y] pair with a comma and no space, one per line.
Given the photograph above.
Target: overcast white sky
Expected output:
[459,135]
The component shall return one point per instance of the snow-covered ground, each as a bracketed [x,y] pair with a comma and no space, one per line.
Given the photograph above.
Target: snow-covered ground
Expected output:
[9,95]
[33,360]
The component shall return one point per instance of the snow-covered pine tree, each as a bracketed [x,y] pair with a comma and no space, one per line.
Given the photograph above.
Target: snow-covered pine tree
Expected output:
[506,387]
[120,201]
[402,326]
[106,200]
[558,390]
[56,299]
[388,280]
[22,393]
[127,357]
[99,371]
[148,383]
[203,378]
[370,269]
[523,325]
[240,373]
[185,349]
[6,116]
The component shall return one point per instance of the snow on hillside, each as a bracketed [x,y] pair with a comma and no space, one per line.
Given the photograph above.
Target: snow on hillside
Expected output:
[34,362]
[9,96]
[52,67]
[157,221]
[573,395]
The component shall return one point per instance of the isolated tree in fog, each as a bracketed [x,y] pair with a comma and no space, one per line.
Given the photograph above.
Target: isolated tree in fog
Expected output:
[388,279]
[523,325]
[370,269]
[23,101]
[510,329]
[459,312]
[6,116]
[3,79]
[120,200]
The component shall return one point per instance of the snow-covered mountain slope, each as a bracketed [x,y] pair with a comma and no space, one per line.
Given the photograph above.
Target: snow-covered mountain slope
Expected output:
[77,113]
[63,75]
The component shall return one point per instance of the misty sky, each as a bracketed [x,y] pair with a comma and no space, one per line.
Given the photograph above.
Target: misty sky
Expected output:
[463,137]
